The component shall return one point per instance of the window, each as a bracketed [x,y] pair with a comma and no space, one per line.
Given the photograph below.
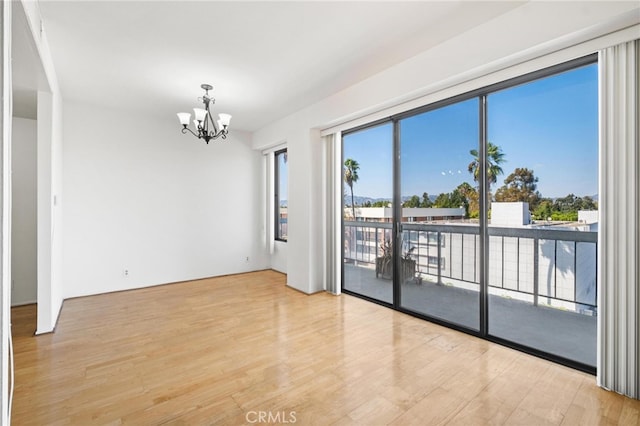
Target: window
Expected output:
[280,191]
[432,237]
[547,177]
[367,191]
[435,150]
[433,261]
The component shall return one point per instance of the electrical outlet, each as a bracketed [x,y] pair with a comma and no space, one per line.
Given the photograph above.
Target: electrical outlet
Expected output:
[247,259]
[126,273]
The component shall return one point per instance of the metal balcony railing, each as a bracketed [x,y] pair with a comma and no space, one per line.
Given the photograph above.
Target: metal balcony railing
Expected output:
[555,266]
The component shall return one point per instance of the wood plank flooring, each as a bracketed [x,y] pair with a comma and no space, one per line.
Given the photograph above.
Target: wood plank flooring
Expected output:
[245,349]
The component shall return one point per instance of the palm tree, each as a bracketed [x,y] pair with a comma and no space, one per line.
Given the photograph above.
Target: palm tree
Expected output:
[495,157]
[350,177]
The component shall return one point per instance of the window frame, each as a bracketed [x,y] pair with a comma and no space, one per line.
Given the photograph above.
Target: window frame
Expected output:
[277,231]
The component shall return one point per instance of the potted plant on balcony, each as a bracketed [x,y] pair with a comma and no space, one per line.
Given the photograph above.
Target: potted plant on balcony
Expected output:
[384,263]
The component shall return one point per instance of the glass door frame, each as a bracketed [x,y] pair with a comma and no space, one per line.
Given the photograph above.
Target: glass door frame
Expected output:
[343,289]
[398,227]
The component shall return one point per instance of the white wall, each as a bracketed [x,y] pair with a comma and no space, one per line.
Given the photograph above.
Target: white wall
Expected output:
[533,36]
[279,256]
[23,226]
[141,196]
[56,207]
[300,257]
[49,169]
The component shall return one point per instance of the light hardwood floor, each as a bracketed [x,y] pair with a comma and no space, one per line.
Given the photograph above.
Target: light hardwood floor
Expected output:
[228,350]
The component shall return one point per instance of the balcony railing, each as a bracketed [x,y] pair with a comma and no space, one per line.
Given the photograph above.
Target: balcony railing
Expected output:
[556,267]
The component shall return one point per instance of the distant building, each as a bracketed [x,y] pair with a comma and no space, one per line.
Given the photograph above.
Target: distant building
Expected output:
[589,218]
[409,214]
[510,214]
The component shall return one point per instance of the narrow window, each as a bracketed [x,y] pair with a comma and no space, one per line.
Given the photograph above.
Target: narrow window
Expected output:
[281,191]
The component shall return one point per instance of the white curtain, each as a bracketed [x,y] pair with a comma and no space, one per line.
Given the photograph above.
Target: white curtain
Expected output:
[332,193]
[269,215]
[619,233]
[6,359]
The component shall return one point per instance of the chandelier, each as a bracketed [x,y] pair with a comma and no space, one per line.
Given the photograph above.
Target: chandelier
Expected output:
[206,128]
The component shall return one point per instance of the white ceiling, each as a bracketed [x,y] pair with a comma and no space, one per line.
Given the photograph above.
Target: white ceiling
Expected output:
[264,59]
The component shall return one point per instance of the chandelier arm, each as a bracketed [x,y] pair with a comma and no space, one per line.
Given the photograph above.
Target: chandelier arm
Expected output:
[215,130]
[216,135]
[185,129]
[222,134]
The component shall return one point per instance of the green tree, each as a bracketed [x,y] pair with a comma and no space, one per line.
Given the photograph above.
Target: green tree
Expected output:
[443,200]
[414,201]
[458,199]
[544,209]
[565,204]
[382,203]
[564,208]
[573,203]
[453,200]
[588,203]
[569,216]
[495,157]
[350,177]
[471,199]
[520,186]
[426,201]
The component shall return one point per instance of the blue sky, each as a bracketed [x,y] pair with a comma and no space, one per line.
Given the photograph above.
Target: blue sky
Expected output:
[283,185]
[549,125]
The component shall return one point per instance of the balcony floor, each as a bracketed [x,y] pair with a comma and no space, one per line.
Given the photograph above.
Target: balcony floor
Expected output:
[564,333]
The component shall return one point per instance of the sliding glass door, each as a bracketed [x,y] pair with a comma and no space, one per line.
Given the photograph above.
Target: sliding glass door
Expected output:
[543,163]
[440,247]
[481,212]
[367,214]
